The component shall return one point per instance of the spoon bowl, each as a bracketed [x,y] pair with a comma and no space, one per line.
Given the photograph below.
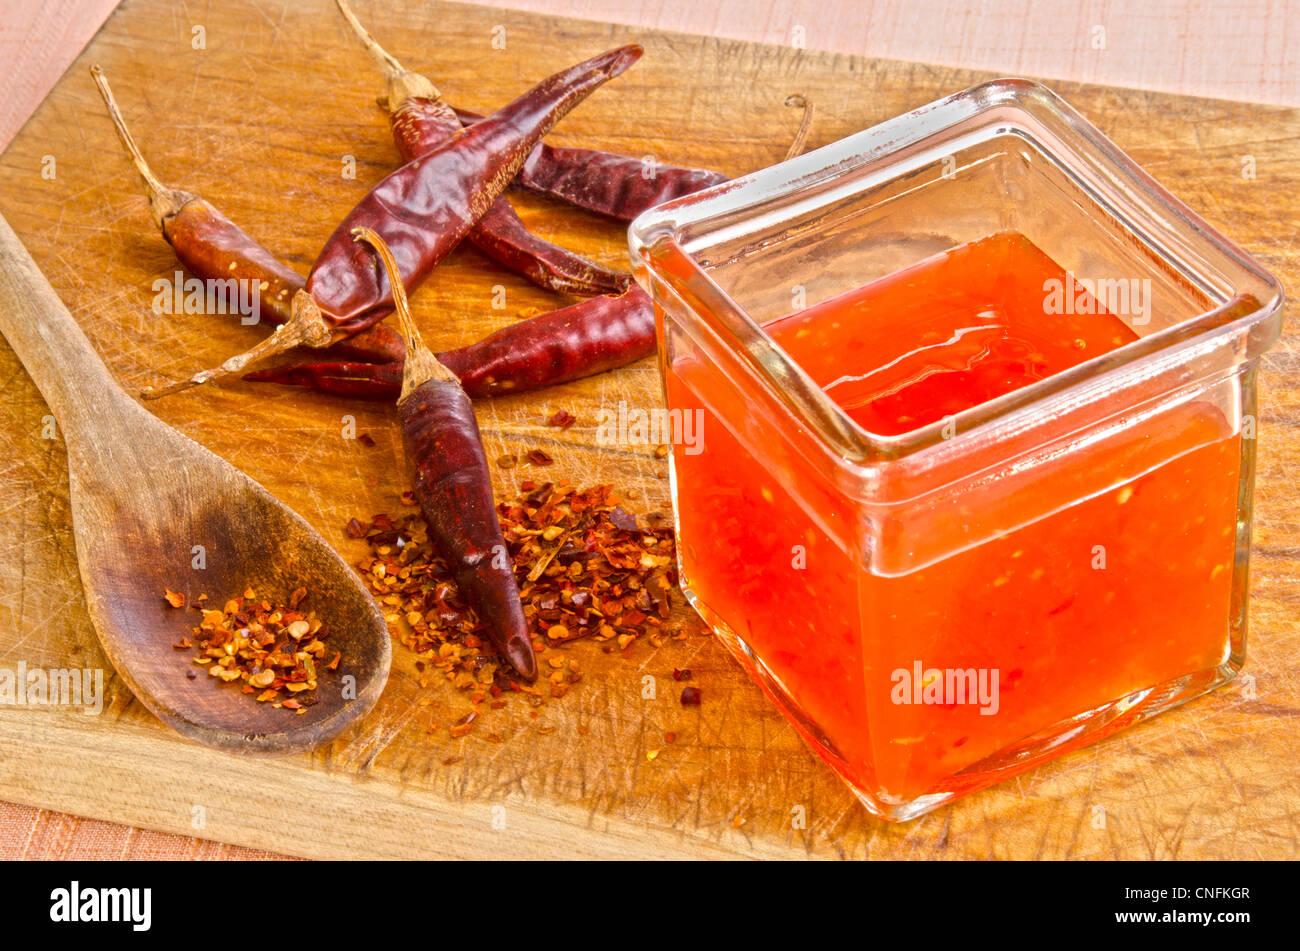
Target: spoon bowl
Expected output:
[152,510]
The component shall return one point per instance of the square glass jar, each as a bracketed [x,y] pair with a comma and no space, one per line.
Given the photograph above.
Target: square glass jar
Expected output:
[938,610]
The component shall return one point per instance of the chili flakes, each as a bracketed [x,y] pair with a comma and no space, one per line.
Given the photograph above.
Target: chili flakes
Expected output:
[272,651]
[587,569]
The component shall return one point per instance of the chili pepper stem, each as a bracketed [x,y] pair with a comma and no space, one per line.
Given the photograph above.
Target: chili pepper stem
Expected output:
[402,84]
[421,365]
[164,201]
[805,123]
[306,328]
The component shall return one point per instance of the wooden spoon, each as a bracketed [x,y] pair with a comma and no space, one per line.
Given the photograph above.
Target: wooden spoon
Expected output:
[144,498]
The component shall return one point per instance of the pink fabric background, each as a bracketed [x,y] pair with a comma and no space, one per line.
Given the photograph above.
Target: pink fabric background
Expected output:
[1243,49]
[1248,49]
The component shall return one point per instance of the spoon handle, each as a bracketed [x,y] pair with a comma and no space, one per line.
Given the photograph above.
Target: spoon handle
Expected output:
[70,375]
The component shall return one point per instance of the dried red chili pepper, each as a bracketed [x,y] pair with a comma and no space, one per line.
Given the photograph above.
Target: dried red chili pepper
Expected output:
[452,483]
[620,186]
[421,122]
[423,210]
[379,381]
[212,247]
[432,201]
[586,338]
[591,336]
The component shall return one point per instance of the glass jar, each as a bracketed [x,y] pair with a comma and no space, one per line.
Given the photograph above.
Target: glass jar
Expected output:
[942,608]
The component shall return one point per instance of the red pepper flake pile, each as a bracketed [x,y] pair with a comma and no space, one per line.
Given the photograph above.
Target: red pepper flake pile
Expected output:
[586,568]
[562,418]
[274,652]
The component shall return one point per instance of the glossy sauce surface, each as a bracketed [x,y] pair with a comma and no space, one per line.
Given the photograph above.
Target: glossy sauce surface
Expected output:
[947,334]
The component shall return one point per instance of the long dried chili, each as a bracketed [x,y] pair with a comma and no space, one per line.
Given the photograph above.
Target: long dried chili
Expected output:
[379,381]
[214,248]
[623,186]
[589,337]
[586,338]
[422,210]
[452,483]
[620,186]
[422,121]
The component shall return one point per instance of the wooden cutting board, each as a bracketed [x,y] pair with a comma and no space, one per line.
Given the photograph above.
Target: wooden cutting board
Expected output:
[263,120]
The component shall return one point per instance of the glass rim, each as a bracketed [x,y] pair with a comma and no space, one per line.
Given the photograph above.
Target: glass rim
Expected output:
[664,238]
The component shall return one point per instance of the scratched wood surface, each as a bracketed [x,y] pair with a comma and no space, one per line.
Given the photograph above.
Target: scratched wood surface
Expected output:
[262,122]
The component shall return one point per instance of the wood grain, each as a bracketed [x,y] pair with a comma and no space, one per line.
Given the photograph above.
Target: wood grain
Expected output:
[260,123]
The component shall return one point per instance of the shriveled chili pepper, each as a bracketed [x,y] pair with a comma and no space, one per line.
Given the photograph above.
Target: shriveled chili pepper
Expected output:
[379,381]
[452,483]
[589,337]
[212,247]
[421,122]
[422,210]
[620,186]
